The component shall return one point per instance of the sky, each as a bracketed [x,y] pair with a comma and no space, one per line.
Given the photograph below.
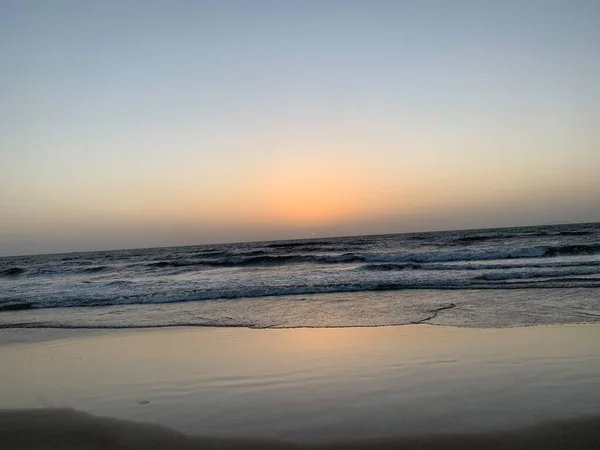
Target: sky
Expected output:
[153,123]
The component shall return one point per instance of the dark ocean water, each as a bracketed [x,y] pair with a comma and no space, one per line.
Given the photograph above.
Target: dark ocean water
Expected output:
[492,277]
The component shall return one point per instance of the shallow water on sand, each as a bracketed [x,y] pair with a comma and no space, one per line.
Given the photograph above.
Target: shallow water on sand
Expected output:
[313,384]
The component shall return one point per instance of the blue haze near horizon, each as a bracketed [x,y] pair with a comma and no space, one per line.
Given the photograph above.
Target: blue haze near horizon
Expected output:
[141,124]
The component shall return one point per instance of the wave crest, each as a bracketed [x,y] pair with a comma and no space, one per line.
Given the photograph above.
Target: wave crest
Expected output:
[12,272]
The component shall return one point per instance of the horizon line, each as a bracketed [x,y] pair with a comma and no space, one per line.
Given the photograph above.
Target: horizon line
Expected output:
[295,239]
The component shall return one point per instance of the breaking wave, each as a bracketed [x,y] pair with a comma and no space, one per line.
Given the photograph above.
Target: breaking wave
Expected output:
[532,258]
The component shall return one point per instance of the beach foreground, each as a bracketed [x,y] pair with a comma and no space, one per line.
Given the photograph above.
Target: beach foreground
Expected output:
[69,429]
[417,386]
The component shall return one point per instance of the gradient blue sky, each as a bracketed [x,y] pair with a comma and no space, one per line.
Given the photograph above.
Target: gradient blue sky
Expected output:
[150,123]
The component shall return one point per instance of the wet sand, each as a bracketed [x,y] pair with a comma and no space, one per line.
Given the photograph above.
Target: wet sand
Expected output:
[416,386]
[64,429]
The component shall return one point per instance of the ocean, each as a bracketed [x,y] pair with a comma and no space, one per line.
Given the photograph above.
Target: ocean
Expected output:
[476,278]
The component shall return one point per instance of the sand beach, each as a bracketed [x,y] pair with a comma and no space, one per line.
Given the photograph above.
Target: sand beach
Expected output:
[416,386]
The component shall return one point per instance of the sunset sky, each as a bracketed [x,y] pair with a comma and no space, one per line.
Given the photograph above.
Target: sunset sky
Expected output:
[153,123]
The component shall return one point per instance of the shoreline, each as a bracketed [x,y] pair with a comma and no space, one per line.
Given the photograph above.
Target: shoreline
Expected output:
[18,336]
[476,308]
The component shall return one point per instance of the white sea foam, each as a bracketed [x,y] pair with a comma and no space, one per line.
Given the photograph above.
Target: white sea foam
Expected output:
[534,258]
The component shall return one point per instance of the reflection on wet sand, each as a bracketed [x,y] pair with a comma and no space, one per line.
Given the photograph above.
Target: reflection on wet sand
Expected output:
[311,385]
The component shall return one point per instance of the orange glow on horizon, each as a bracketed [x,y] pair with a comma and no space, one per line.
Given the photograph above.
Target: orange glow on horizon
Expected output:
[315,192]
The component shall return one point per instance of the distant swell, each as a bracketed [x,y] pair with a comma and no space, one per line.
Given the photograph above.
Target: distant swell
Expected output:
[551,274]
[468,239]
[159,264]
[298,244]
[470,257]
[389,258]
[120,283]
[500,265]
[94,269]
[12,272]
[386,267]
[209,253]
[580,249]
[573,233]
[235,261]
[494,237]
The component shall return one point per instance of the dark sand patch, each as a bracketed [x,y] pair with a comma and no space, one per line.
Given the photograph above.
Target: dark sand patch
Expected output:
[70,429]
